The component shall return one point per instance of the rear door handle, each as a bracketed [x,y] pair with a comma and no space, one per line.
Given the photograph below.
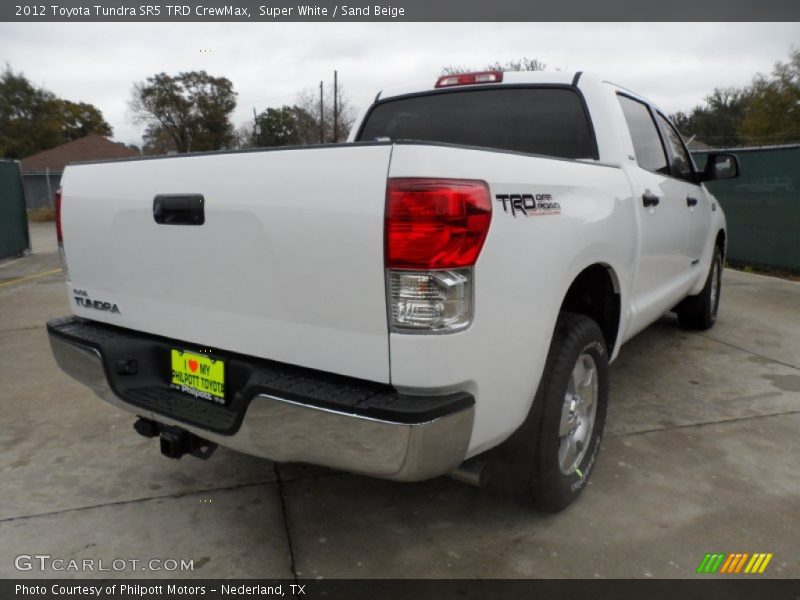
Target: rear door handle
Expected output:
[650,199]
[691,201]
[179,209]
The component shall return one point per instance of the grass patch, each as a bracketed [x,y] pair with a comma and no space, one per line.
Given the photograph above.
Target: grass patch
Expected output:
[781,272]
[41,214]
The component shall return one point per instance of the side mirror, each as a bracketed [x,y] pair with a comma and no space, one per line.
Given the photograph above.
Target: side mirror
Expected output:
[720,166]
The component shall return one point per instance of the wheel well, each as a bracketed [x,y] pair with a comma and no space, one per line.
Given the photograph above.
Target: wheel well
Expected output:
[595,295]
[721,242]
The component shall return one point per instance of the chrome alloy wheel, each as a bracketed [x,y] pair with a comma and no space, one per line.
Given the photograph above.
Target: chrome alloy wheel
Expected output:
[577,414]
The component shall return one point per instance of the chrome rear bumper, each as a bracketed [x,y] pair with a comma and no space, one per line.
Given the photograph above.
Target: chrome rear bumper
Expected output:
[289,431]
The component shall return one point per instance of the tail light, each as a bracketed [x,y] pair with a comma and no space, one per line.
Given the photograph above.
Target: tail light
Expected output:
[434,232]
[60,234]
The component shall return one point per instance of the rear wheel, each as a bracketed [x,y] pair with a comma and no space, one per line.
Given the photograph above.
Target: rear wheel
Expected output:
[572,397]
[700,311]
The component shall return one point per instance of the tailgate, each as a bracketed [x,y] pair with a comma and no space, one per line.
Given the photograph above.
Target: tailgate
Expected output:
[288,264]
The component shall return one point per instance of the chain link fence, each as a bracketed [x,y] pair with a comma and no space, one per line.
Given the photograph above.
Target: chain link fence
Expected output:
[40,188]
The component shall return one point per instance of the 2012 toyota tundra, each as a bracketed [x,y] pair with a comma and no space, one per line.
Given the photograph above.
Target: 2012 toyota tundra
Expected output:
[443,293]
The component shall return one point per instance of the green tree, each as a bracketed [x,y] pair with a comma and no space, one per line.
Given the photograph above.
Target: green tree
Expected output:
[33,119]
[520,64]
[80,119]
[772,115]
[717,121]
[308,124]
[279,127]
[155,140]
[190,110]
[765,112]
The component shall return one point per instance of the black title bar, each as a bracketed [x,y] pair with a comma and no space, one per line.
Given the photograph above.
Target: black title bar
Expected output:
[711,588]
[399,10]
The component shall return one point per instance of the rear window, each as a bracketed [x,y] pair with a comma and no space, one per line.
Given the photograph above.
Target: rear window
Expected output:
[549,121]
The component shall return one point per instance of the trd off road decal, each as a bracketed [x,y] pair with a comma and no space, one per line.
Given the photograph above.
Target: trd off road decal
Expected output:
[529,205]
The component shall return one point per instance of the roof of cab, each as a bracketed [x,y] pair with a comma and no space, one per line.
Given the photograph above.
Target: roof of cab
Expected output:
[509,77]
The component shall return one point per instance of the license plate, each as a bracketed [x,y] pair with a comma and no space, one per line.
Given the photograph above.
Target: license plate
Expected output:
[199,375]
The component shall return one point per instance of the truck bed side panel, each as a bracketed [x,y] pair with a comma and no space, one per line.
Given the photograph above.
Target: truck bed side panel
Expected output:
[521,277]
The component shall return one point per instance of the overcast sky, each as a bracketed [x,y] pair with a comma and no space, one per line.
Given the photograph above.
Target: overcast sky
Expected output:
[673,64]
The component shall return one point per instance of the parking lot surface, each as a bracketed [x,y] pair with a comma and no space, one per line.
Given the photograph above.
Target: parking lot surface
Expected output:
[700,455]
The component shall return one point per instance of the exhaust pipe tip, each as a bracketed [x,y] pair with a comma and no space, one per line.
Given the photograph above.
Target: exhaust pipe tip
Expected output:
[472,472]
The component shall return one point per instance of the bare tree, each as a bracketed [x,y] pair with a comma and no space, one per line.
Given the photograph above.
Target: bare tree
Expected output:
[244,135]
[308,101]
[520,64]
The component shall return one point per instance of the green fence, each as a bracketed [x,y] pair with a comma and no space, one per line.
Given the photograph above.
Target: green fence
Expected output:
[13,218]
[762,206]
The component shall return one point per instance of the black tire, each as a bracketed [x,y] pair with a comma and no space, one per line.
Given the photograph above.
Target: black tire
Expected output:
[700,311]
[552,490]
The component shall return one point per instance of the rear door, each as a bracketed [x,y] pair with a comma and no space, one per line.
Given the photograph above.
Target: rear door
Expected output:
[286,264]
[663,262]
[697,205]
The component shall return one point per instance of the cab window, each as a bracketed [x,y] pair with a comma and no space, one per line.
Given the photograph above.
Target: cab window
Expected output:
[681,162]
[647,144]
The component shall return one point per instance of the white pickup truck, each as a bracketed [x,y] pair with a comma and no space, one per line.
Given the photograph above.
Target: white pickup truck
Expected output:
[442,294]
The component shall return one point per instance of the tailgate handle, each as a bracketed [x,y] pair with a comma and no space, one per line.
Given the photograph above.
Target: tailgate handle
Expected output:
[179,209]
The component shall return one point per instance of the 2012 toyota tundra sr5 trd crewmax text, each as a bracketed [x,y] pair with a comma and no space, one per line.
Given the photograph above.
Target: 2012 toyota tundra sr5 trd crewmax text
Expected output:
[443,293]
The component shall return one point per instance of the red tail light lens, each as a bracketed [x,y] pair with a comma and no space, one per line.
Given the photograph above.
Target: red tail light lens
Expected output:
[59,235]
[436,223]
